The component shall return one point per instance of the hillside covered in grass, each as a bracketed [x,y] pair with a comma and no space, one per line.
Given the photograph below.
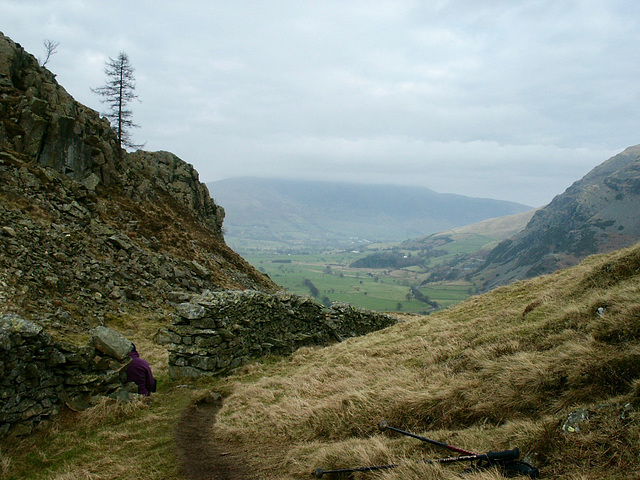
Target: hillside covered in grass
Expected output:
[550,365]
[500,370]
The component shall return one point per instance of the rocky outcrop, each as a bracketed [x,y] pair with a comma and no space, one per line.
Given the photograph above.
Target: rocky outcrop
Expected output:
[68,255]
[179,180]
[596,214]
[42,122]
[39,375]
[217,332]
[84,233]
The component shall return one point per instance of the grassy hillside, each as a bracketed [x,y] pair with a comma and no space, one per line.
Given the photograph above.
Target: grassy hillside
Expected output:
[502,370]
[495,229]
[505,369]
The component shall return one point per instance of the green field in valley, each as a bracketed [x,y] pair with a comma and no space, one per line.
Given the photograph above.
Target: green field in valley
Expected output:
[436,268]
[329,278]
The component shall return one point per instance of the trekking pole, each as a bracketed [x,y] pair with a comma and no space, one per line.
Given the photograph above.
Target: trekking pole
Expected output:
[492,458]
[383,425]
[511,467]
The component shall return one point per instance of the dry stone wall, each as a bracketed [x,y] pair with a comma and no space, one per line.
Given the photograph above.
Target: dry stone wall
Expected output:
[217,332]
[39,375]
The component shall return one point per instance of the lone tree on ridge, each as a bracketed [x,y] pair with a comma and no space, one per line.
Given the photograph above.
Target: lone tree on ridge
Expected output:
[117,93]
[50,48]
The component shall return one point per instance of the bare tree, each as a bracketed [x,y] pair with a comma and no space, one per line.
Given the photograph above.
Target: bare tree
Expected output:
[117,93]
[50,48]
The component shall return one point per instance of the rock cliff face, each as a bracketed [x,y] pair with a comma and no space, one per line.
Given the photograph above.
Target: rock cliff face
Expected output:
[597,214]
[85,234]
[42,121]
[165,172]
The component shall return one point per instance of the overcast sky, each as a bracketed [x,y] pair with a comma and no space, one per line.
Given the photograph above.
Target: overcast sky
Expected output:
[506,99]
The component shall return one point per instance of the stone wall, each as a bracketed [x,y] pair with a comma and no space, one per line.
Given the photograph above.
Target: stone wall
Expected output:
[217,332]
[39,375]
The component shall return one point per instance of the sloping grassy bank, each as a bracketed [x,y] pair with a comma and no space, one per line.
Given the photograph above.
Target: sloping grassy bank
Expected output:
[111,440]
[123,441]
[500,370]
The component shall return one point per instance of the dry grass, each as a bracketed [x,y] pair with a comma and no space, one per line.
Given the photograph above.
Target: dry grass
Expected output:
[497,371]
[111,440]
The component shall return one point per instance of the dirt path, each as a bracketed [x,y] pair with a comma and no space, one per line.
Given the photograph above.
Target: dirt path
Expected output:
[202,454]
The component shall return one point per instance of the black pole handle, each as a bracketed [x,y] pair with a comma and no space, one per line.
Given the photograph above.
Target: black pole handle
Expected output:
[504,456]
[514,469]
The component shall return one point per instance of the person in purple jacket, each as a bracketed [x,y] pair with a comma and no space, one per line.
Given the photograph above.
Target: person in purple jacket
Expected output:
[140,373]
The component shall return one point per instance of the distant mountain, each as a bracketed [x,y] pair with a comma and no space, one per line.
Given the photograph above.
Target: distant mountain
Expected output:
[450,255]
[315,214]
[597,214]
[492,230]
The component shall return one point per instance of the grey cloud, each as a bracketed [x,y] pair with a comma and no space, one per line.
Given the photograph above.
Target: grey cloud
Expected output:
[513,100]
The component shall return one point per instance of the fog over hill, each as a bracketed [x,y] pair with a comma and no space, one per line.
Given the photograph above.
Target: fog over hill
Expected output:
[293,213]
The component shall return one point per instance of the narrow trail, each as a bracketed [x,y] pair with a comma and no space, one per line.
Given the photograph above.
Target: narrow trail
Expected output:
[202,454]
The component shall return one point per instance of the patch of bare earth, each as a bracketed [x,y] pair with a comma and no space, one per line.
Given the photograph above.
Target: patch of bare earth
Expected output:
[202,453]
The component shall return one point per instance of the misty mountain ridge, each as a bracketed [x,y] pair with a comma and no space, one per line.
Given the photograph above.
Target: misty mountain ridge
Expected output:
[316,214]
[597,214]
